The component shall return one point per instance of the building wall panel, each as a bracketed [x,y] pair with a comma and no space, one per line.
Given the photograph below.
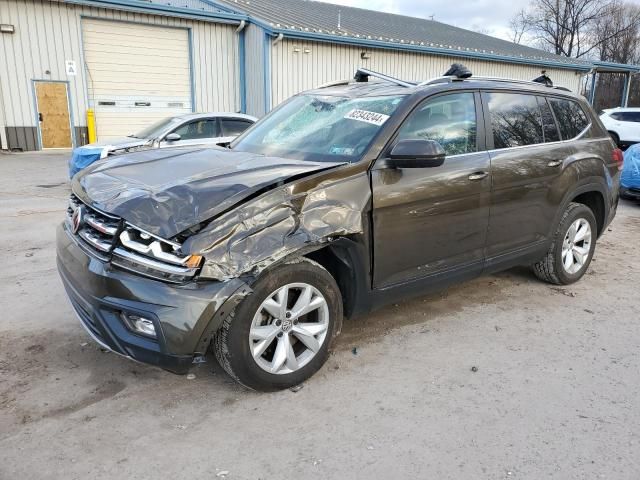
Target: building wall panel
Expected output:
[49,32]
[255,67]
[301,65]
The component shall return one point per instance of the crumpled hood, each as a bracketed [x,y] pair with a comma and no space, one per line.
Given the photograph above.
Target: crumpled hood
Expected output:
[166,191]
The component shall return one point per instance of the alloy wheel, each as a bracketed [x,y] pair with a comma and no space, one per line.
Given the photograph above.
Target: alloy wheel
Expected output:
[289,328]
[576,246]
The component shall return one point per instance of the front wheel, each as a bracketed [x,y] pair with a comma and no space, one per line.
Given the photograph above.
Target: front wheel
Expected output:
[280,335]
[572,248]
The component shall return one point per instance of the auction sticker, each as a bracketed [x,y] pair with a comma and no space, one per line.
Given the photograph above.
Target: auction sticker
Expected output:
[366,116]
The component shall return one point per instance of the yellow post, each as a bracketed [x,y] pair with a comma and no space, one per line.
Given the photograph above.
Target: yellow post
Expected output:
[91,125]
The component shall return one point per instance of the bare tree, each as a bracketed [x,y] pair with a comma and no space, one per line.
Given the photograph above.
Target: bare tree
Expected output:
[520,25]
[567,27]
[616,35]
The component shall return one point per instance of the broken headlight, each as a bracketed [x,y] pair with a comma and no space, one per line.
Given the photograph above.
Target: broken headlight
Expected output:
[152,256]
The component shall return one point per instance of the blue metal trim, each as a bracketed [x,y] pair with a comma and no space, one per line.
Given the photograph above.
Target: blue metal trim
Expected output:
[155,8]
[35,108]
[86,77]
[242,70]
[592,91]
[266,60]
[625,91]
[191,71]
[69,108]
[617,66]
[321,37]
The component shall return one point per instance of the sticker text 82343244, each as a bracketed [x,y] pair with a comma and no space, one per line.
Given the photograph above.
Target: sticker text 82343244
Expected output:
[366,116]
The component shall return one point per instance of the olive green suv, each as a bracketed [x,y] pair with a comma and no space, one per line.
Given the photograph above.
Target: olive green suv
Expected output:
[342,199]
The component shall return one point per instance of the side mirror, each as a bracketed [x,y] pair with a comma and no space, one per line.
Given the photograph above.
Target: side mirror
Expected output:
[416,154]
[172,137]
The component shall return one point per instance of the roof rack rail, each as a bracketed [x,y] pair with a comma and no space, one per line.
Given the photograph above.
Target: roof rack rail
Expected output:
[335,83]
[436,80]
[449,79]
[363,74]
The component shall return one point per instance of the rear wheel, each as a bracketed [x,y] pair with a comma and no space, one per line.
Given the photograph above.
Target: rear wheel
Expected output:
[572,248]
[280,335]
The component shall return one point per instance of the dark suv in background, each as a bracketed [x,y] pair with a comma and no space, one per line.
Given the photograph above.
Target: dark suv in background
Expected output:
[342,199]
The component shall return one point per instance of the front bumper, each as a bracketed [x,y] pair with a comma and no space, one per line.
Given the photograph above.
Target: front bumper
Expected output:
[185,316]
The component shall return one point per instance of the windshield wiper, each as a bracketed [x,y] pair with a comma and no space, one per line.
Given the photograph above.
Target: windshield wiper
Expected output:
[132,136]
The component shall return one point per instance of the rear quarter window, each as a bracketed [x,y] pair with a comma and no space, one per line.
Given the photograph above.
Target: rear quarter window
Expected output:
[571,118]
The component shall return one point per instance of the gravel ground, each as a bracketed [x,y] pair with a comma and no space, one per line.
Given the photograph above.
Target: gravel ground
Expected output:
[501,377]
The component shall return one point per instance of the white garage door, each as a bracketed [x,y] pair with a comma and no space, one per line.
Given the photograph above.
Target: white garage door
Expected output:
[136,74]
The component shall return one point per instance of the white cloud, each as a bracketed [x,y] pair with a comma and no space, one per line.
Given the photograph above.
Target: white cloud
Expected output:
[487,16]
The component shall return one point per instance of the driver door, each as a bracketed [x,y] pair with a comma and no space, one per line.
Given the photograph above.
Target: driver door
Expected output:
[433,220]
[197,132]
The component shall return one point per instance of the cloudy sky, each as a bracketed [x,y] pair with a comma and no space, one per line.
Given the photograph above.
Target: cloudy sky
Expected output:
[487,16]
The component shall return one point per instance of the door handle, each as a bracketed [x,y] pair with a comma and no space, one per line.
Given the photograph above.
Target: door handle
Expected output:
[554,163]
[478,176]
[39,117]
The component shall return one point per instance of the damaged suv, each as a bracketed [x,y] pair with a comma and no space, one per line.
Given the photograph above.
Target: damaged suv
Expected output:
[341,200]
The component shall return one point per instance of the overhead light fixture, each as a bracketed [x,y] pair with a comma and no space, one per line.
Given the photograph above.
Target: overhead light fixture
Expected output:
[6,28]
[365,55]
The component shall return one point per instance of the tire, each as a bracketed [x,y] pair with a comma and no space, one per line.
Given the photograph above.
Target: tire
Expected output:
[615,137]
[551,267]
[236,340]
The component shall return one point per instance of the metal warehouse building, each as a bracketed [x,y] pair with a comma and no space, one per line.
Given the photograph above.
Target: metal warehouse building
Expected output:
[133,62]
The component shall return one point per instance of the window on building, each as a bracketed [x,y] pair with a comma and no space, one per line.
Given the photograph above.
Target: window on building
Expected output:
[515,119]
[549,127]
[232,127]
[205,128]
[571,119]
[448,119]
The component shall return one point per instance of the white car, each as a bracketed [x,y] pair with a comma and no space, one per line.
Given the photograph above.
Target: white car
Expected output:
[190,130]
[623,124]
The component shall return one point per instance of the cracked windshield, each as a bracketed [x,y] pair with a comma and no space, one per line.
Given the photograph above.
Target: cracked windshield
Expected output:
[320,128]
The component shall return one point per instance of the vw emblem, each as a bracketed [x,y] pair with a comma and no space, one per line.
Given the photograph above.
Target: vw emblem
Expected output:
[286,325]
[76,219]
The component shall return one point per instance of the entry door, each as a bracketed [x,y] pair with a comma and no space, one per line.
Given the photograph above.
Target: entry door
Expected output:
[53,114]
[433,220]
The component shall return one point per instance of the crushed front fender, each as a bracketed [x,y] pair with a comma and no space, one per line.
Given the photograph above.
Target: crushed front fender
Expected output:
[267,229]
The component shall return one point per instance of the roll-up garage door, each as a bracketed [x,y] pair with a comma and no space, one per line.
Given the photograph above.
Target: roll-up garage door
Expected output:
[136,74]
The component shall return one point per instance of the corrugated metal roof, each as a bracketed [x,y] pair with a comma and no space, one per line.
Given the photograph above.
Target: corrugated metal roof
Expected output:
[201,5]
[350,22]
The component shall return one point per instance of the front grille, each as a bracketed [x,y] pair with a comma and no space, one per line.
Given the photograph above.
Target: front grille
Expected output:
[111,239]
[96,231]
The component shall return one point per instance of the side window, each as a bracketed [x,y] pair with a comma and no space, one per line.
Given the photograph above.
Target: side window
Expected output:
[632,117]
[205,128]
[549,127]
[515,119]
[232,127]
[618,116]
[571,119]
[448,119]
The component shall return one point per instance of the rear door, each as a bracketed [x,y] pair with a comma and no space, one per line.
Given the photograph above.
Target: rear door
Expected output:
[230,128]
[523,169]
[433,220]
[627,125]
